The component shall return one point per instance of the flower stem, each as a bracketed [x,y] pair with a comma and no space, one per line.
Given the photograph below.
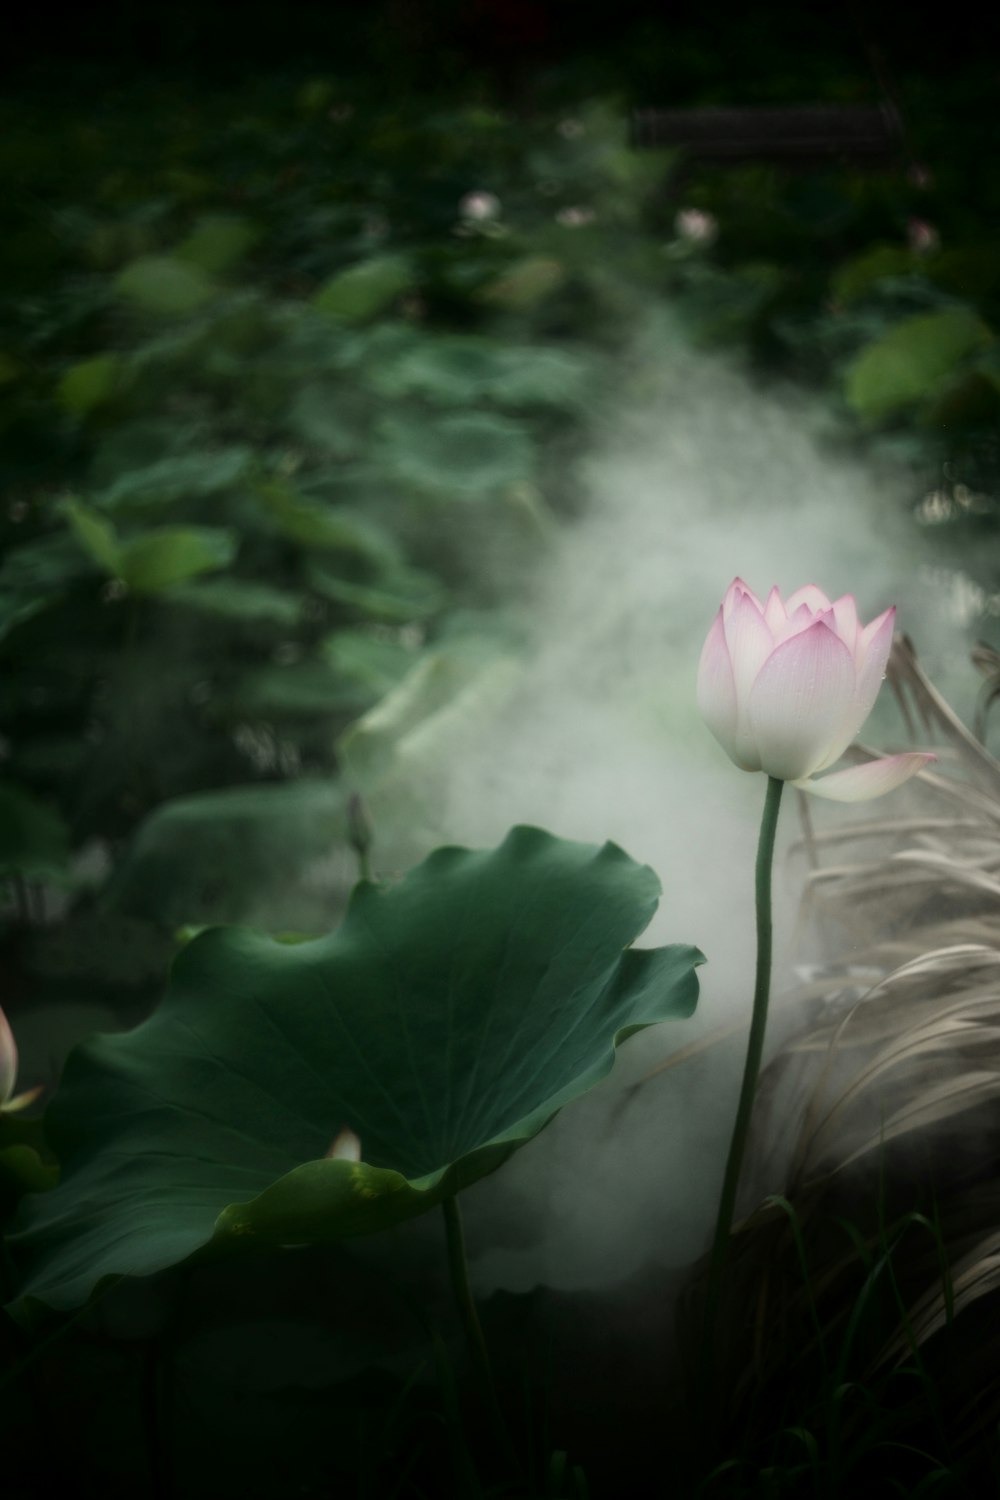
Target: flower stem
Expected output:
[471,1326]
[751,1068]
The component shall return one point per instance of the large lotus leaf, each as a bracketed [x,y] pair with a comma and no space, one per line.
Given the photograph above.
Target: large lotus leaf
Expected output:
[446,1022]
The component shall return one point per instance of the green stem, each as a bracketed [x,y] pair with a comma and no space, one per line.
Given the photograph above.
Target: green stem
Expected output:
[751,1068]
[471,1327]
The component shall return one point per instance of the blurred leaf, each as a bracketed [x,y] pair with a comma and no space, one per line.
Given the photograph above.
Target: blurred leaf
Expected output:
[970,400]
[162,285]
[363,290]
[329,417]
[723,306]
[206,1128]
[314,96]
[95,949]
[221,855]
[22,1171]
[525,283]
[858,276]
[316,524]
[34,839]
[96,536]
[44,566]
[447,692]
[217,242]
[972,271]
[15,612]
[297,689]
[377,665]
[171,554]
[182,476]
[156,559]
[468,456]
[237,599]
[402,595]
[907,363]
[462,369]
[89,384]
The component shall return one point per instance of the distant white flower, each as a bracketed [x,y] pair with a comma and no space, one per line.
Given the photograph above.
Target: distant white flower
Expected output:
[480,206]
[922,237]
[576,216]
[696,225]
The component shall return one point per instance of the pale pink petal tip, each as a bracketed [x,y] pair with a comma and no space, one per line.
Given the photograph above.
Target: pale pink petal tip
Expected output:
[874,779]
[737,591]
[810,595]
[775,613]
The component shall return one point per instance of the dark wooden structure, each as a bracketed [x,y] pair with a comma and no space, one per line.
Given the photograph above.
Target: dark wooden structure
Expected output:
[806,136]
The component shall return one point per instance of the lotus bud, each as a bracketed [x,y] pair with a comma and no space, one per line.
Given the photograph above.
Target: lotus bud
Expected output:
[786,685]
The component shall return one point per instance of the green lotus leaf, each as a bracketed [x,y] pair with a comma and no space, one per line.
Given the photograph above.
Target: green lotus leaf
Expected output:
[912,360]
[461,456]
[217,243]
[218,856]
[363,290]
[89,383]
[169,555]
[237,599]
[156,559]
[164,286]
[445,1022]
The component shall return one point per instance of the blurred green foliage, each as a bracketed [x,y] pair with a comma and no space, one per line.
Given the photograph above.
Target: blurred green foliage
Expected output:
[289,379]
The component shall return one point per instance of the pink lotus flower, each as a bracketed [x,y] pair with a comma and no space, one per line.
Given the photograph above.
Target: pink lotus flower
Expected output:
[786,686]
[9,1101]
